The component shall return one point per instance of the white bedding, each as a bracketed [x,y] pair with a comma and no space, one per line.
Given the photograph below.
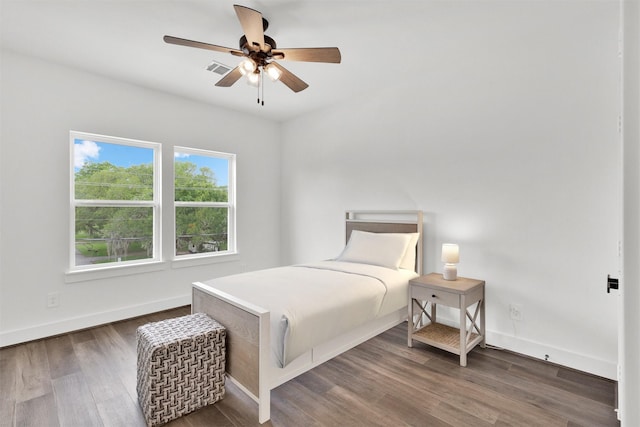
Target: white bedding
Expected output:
[311,303]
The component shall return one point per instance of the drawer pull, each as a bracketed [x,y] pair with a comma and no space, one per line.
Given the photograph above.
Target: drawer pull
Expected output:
[434,296]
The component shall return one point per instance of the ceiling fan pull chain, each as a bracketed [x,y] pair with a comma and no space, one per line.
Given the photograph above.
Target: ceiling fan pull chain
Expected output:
[262,84]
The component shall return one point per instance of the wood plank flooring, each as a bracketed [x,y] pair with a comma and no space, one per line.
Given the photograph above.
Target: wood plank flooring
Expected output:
[88,378]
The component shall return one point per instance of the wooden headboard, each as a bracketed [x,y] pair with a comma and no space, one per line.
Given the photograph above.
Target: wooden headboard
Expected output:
[387,222]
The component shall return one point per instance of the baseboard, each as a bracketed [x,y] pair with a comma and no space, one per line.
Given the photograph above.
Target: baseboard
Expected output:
[559,356]
[35,332]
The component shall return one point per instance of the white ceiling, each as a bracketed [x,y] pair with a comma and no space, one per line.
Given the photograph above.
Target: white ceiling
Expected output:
[122,39]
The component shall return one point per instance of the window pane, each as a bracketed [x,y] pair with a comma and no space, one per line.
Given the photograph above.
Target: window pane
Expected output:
[201,178]
[201,229]
[113,234]
[104,171]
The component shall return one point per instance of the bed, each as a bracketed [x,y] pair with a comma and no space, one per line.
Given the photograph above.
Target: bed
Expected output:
[284,321]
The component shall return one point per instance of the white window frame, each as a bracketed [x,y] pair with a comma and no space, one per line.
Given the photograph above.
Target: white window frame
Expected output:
[155,203]
[230,204]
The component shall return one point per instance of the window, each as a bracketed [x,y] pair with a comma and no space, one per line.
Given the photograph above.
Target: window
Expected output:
[204,198]
[115,201]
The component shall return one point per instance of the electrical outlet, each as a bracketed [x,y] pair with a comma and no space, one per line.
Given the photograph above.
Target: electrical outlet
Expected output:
[515,311]
[53,299]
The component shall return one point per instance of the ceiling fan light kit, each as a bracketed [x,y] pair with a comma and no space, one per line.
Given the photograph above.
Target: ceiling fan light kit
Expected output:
[253,79]
[247,66]
[273,72]
[260,53]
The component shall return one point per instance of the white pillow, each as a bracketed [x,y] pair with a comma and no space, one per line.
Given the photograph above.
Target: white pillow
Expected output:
[383,249]
[408,261]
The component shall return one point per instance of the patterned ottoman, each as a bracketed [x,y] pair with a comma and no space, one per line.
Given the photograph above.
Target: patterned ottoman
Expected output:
[181,364]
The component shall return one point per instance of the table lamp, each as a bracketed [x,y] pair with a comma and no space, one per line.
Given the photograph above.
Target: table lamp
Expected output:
[450,256]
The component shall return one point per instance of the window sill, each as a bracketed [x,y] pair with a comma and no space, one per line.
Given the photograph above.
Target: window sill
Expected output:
[113,271]
[197,260]
[148,267]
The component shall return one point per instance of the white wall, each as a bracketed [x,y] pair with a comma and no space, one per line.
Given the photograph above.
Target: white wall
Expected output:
[41,103]
[508,140]
[630,343]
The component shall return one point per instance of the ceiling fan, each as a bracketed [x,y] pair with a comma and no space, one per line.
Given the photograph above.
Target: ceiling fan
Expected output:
[260,53]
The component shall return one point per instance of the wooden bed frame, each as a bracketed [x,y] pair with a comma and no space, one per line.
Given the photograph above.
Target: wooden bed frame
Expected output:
[249,361]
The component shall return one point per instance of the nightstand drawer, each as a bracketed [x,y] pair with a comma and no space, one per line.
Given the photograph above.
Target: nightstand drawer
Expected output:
[435,296]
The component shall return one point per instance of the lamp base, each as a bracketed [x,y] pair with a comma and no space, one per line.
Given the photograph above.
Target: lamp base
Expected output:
[450,272]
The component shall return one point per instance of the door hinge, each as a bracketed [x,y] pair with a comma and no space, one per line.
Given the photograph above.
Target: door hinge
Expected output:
[612,283]
[620,44]
[619,124]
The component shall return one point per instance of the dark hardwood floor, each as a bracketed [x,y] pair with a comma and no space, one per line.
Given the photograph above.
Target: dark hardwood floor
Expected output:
[88,378]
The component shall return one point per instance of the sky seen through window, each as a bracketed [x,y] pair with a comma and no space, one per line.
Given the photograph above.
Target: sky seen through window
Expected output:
[125,156]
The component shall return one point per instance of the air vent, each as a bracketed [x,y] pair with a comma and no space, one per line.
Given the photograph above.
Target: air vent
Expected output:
[218,68]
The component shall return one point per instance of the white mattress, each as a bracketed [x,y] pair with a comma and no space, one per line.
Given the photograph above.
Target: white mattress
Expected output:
[311,303]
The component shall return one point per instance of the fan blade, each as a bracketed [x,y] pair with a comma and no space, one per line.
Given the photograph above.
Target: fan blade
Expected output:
[251,21]
[201,45]
[291,80]
[230,78]
[309,54]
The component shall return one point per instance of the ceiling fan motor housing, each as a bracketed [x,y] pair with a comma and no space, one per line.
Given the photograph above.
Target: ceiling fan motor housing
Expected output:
[267,40]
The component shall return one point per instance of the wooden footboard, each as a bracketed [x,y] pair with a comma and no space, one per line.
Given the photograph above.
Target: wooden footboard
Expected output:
[248,341]
[248,358]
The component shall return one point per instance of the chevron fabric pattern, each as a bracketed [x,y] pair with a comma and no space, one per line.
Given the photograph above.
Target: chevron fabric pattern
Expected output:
[181,366]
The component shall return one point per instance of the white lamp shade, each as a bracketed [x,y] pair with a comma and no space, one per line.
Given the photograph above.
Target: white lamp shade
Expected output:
[273,72]
[450,253]
[246,66]
[253,79]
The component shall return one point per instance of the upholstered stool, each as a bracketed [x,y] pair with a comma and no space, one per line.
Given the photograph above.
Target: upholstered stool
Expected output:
[181,365]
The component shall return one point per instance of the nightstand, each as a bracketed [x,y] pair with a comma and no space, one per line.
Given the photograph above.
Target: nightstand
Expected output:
[426,293]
